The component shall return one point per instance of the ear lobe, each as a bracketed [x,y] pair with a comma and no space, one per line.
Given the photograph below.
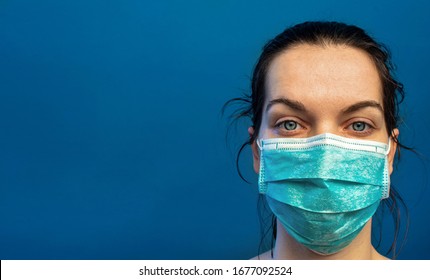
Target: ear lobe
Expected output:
[255,151]
[393,149]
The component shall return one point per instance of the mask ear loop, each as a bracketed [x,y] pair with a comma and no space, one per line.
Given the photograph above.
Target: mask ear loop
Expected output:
[258,141]
[389,146]
[387,183]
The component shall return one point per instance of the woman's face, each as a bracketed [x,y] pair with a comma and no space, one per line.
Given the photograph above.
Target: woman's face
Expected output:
[312,90]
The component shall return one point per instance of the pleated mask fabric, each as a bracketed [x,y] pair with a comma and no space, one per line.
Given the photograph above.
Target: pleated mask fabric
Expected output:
[325,188]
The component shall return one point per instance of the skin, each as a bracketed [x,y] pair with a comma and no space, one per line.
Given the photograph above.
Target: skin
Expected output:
[312,90]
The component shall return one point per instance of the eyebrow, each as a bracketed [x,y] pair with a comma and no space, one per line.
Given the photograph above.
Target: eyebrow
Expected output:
[296,105]
[362,104]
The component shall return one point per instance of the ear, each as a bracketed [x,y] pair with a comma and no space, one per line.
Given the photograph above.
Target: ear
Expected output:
[255,151]
[393,149]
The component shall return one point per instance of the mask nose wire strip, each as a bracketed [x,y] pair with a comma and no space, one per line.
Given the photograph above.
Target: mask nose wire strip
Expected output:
[260,145]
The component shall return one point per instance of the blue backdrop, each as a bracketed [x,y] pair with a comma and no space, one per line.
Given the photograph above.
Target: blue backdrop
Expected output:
[112,145]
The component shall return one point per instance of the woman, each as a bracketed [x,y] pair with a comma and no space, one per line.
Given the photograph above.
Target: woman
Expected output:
[324,136]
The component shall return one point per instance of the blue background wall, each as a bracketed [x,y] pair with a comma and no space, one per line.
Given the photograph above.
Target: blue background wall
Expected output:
[112,145]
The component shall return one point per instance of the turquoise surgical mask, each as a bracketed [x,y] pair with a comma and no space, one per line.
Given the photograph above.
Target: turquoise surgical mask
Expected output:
[325,188]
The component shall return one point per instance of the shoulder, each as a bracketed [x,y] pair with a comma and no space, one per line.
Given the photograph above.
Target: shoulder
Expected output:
[377,256]
[265,256]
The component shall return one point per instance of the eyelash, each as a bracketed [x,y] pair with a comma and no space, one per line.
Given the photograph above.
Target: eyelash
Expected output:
[281,126]
[368,128]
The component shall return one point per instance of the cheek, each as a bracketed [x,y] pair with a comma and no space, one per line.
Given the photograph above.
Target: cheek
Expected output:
[265,131]
[382,135]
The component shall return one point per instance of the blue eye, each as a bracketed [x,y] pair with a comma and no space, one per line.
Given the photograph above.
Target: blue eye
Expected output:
[290,125]
[359,126]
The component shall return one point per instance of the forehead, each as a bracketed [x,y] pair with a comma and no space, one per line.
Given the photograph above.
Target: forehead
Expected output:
[331,73]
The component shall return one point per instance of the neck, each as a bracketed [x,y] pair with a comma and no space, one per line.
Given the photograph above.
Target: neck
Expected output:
[286,247]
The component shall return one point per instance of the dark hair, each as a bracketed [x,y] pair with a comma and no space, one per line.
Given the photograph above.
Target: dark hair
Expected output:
[325,34]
